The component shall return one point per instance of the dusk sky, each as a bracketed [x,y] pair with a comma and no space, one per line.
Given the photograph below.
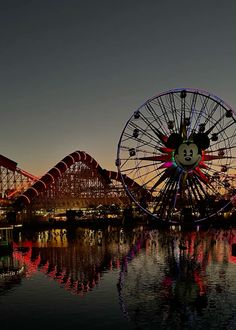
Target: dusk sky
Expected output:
[73,71]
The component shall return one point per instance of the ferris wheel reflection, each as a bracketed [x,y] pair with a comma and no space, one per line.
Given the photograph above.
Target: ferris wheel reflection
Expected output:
[176,273]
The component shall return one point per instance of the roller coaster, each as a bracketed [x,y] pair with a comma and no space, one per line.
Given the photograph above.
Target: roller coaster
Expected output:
[77,181]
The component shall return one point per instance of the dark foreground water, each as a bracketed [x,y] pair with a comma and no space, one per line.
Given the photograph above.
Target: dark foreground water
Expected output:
[119,278]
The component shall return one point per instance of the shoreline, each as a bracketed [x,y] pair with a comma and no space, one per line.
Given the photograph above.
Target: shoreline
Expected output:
[102,223]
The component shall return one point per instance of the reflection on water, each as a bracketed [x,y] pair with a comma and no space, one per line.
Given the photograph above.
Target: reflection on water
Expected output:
[76,260]
[181,281]
[165,278]
[10,273]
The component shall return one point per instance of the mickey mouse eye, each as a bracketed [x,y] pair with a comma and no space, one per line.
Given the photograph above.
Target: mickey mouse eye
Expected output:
[191,152]
[185,152]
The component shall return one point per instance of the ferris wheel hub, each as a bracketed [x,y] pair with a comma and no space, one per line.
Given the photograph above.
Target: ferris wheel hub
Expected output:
[187,156]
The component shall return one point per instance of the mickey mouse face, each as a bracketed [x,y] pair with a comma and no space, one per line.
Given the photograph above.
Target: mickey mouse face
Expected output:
[187,155]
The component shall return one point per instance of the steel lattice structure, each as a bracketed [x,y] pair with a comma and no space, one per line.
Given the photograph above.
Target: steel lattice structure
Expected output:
[13,180]
[76,181]
[79,187]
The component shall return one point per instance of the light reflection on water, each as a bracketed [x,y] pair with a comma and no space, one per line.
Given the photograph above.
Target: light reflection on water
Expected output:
[136,278]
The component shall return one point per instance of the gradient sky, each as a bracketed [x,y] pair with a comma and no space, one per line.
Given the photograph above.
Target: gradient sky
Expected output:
[73,71]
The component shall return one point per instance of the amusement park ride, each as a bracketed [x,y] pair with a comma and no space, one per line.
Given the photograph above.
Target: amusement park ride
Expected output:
[175,159]
[180,147]
[77,181]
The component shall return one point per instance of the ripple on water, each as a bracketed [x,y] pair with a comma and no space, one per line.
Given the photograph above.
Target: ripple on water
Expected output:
[182,290]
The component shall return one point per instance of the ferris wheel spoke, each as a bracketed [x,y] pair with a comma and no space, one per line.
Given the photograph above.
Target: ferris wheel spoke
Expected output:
[144,132]
[200,192]
[191,196]
[160,199]
[208,158]
[165,205]
[213,172]
[178,189]
[131,169]
[167,200]
[195,193]
[124,163]
[128,137]
[212,189]
[169,172]
[192,112]
[203,190]
[140,150]
[204,178]
[221,149]
[226,127]
[150,109]
[219,168]
[157,158]
[222,142]
[218,179]
[163,109]
[162,137]
[144,143]
[183,115]
[138,130]
[149,180]
[211,114]
[219,184]
[173,199]
[168,178]
[174,111]
[201,112]
[231,138]
[150,139]
[154,178]
[214,125]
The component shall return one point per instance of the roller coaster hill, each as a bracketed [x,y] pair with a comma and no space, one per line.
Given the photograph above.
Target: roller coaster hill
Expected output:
[76,185]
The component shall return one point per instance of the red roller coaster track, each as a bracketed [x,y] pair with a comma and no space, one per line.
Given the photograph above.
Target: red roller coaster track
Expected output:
[13,180]
[57,171]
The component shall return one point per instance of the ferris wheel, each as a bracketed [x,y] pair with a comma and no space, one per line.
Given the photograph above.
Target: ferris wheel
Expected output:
[180,149]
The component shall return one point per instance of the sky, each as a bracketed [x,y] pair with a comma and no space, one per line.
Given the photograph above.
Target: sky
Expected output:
[72,72]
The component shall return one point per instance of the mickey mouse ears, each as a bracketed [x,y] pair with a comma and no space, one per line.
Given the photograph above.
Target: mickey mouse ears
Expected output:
[200,139]
[174,140]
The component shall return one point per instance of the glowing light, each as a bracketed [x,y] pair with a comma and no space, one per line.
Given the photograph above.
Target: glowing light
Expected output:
[166,164]
[27,198]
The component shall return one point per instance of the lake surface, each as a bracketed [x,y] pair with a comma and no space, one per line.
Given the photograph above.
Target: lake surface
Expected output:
[120,278]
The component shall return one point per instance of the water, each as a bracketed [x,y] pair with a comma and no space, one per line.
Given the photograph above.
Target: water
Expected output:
[130,278]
